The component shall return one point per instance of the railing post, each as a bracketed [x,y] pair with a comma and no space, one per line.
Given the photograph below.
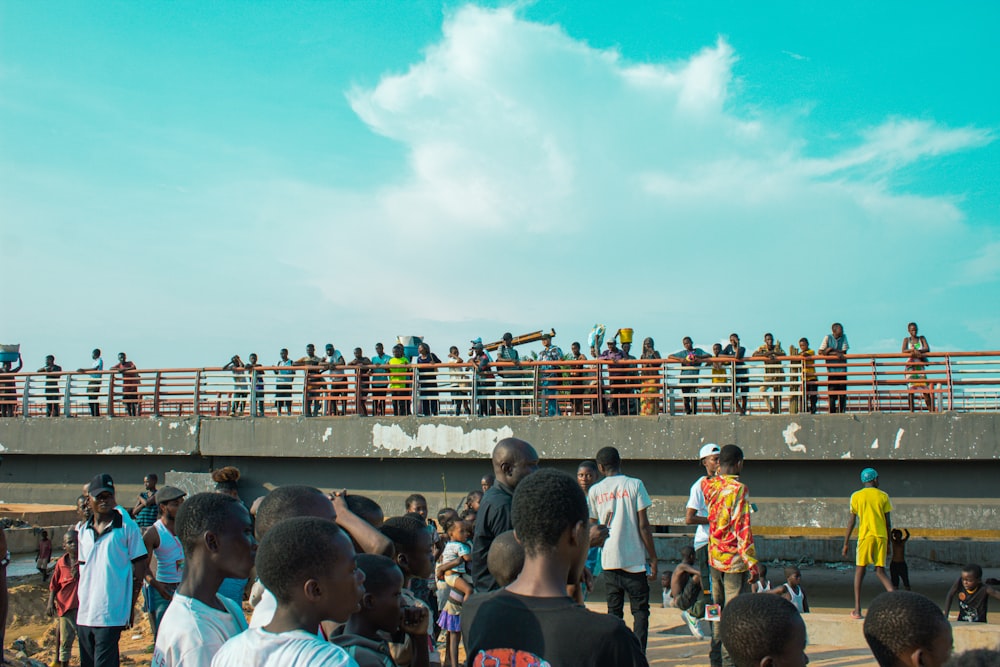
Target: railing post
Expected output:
[156,393]
[474,393]
[25,396]
[875,402]
[414,392]
[951,386]
[534,392]
[307,409]
[67,401]
[111,395]
[732,383]
[197,393]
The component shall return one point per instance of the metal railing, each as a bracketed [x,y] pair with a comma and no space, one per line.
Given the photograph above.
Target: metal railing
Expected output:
[965,382]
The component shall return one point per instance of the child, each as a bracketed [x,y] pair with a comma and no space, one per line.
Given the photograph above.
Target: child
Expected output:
[453,568]
[718,381]
[973,595]
[897,566]
[534,614]
[792,590]
[505,559]
[415,559]
[763,629]
[63,600]
[763,584]
[469,516]
[382,611]
[216,535]
[905,629]
[308,564]
[685,582]
[44,555]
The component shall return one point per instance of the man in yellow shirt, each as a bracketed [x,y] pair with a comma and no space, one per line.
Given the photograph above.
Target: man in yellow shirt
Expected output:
[870,508]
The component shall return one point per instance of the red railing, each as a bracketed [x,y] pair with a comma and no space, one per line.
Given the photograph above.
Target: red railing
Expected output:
[968,381]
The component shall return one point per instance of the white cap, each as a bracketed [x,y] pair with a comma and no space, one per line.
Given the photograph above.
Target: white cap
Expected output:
[708,450]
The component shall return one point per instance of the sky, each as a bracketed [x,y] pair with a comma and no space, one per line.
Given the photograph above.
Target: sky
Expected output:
[186,181]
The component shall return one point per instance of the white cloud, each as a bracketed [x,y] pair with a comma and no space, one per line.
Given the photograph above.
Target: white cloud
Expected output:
[540,167]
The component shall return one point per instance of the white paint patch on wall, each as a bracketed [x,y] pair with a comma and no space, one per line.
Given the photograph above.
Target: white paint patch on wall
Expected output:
[792,439]
[327,433]
[438,439]
[899,438]
[875,443]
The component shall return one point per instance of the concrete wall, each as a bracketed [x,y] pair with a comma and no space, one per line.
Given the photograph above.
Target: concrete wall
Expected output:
[940,469]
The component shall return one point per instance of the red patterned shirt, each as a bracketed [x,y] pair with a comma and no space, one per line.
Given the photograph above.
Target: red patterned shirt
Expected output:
[730,544]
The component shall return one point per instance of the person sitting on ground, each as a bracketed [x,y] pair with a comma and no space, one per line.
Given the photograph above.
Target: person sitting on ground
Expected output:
[973,595]
[44,555]
[763,630]
[763,584]
[217,537]
[534,614]
[382,613]
[905,629]
[309,565]
[414,556]
[792,589]
[899,572]
[506,558]
[63,599]
[685,582]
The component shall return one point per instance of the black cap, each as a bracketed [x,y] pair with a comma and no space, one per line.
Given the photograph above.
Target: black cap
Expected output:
[101,483]
[167,493]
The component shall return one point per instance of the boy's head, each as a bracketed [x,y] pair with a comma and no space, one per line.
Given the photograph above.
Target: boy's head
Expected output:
[896,534]
[286,502]
[869,477]
[763,631]
[309,563]
[417,503]
[972,576]
[505,558]
[413,543]
[365,508]
[904,628]
[793,575]
[71,543]
[549,514]
[687,555]
[762,571]
[382,601]
[217,527]
[608,460]
[469,516]
[708,456]
[447,514]
[586,474]
[45,534]
[731,460]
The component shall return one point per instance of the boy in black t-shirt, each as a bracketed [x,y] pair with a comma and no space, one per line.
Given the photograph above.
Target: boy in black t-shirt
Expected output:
[534,614]
[973,595]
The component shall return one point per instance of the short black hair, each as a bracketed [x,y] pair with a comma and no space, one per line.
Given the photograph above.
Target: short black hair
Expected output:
[792,569]
[404,531]
[546,504]
[152,475]
[283,503]
[588,463]
[609,457]
[412,498]
[294,551]
[505,559]
[377,569]
[364,507]
[199,514]
[974,570]
[687,550]
[753,627]
[444,513]
[466,513]
[473,494]
[901,621]
[450,521]
[980,657]
[730,455]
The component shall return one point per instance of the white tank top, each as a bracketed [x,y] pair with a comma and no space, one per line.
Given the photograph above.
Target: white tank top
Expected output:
[169,556]
[796,597]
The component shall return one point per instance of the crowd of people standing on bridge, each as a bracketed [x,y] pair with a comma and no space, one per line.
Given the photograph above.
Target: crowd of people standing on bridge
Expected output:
[383,379]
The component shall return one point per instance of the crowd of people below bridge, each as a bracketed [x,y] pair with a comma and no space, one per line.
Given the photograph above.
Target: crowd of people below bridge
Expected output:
[387,383]
[332,582]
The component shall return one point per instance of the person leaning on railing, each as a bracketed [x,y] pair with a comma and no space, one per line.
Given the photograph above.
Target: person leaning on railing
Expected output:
[130,385]
[773,376]
[835,345]
[8,387]
[916,346]
[51,386]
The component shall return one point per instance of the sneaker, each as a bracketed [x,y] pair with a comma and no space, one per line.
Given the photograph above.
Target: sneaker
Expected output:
[692,624]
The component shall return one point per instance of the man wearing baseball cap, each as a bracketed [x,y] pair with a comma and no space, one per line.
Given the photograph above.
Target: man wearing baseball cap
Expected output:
[696,514]
[161,541]
[112,561]
[870,508]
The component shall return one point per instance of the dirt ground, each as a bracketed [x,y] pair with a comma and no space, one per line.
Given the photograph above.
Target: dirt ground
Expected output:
[829,589]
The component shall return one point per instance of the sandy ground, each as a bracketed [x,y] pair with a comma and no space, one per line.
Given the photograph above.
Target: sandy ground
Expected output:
[829,590]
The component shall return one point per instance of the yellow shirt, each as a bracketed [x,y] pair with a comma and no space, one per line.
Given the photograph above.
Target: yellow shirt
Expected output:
[871,505]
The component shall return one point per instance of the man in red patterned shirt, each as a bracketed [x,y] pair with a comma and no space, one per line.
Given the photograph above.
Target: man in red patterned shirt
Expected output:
[731,552]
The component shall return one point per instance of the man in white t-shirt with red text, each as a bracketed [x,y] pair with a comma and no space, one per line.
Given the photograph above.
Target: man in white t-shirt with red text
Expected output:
[620,502]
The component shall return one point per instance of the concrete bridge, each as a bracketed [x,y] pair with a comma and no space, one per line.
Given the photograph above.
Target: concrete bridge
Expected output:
[940,470]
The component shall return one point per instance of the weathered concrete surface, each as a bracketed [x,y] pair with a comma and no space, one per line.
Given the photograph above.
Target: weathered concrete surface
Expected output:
[99,436]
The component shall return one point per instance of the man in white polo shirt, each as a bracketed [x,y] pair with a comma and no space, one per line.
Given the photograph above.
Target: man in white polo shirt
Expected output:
[112,562]
[696,514]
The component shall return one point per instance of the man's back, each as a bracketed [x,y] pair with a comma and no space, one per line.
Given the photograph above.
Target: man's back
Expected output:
[493,519]
[616,501]
[556,629]
[871,504]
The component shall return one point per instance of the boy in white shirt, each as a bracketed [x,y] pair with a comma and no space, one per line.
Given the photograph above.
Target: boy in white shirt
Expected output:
[215,531]
[308,564]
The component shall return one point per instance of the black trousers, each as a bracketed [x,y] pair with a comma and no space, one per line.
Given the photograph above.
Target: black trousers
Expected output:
[98,646]
[635,584]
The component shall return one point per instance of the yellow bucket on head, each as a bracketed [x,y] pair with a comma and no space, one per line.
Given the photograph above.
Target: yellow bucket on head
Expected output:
[625,335]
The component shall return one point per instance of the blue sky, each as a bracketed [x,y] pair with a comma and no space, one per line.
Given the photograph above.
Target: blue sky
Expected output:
[185,181]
